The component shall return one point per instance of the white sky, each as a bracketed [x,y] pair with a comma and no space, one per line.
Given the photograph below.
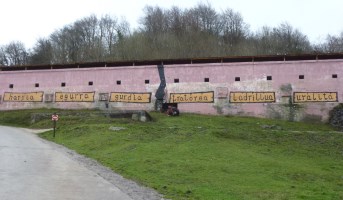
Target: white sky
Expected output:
[28,20]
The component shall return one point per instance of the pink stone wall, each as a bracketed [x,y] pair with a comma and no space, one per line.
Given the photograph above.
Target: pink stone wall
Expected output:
[318,77]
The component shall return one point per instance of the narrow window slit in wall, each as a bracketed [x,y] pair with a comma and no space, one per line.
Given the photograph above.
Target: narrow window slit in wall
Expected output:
[237,78]
[36,84]
[119,82]
[11,86]
[63,84]
[301,77]
[206,79]
[334,75]
[269,78]
[147,81]
[176,80]
[90,83]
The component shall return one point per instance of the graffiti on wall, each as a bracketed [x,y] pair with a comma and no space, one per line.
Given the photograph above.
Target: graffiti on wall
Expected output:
[303,97]
[127,97]
[74,96]
[23,97]
[252,97]
[196,97]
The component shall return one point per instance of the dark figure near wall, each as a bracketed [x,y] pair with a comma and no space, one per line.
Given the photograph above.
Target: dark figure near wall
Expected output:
[173,111]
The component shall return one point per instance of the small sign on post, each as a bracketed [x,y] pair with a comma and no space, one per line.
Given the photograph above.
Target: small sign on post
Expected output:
[54,118]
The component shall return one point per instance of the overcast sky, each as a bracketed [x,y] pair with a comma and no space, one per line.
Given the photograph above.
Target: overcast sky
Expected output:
[28,20]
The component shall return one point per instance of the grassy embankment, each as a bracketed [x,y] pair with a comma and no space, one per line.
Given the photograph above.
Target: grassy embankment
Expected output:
[208,157]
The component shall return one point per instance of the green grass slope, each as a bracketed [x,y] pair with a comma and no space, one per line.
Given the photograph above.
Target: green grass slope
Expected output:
[210,157]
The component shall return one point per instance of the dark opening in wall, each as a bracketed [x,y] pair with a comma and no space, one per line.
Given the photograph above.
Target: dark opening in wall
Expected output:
[37,85]
[119,82]
[176,80]
[237,78]
[206,79]
[147,81]
[90,83]
[63,84]
[269,78]
[334,75]
[11,86]
[301,77]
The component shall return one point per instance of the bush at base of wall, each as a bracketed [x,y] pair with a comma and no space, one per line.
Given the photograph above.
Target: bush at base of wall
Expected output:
[336,116]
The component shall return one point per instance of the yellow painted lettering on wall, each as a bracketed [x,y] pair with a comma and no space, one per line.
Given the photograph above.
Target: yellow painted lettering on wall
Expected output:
[303,97]
[74,97]
[196,97]
[252,97]
[130,97]
[24,97]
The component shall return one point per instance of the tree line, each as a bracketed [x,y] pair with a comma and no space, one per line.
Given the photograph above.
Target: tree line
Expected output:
[171,33]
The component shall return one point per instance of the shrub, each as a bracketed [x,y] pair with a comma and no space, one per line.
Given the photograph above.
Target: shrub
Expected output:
[336,116]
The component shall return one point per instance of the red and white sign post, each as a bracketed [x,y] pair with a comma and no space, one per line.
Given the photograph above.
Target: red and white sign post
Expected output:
[54,118]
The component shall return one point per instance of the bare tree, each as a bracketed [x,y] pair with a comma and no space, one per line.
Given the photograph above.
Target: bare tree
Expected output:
[108,33]
[42,52]
[14,54]
[176,20]
[206,18]
[3,59]
[333,44]
[88,33]
[281,40]
[114,33]
[290,40]
[89,40]
[65,45]
[154,21]
[265,41]
[233,28]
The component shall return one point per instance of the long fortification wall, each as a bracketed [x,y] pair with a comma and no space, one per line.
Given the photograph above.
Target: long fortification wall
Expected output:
[294,90]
